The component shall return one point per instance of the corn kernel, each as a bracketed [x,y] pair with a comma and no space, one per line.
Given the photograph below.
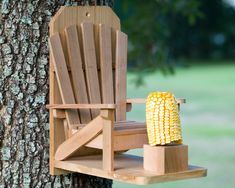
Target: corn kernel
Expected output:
[163,121]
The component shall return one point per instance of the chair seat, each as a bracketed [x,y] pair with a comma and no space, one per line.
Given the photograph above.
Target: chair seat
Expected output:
[129,127]
[127,135]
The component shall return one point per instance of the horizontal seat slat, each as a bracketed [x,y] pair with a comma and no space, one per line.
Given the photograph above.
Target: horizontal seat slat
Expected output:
[126,136]
[130,127]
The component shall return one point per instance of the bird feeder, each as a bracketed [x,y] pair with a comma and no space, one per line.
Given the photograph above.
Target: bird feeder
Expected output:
[89,132]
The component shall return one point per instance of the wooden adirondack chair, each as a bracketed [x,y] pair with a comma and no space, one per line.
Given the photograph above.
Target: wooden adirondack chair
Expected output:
[95,87]
[92,87]
[88,91]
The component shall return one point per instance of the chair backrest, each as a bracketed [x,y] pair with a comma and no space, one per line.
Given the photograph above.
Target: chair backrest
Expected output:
[95,70]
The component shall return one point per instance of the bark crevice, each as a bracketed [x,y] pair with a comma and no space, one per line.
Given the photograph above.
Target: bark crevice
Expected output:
[24,120]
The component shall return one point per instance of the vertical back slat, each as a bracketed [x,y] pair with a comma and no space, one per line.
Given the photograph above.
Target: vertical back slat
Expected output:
[106,64]
[97,50]
[121,71]
[91,65]
[63,79]
[78,77]
[113,36]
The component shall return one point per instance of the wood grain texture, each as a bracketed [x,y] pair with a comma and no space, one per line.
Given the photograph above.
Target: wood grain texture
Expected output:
[108,139]
[75,15]
[78,78]
[92,78]
[165,159]
[120,77]
[128,169]
[67,133]
[79,139]
[105,42]
[63,79]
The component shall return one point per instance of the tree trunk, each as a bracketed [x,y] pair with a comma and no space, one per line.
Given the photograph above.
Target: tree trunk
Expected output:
[24,127]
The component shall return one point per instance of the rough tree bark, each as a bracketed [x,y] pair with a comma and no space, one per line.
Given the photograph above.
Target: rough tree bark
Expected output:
[24,127]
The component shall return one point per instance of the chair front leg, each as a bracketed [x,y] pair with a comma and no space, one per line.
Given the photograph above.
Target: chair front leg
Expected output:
[108,148]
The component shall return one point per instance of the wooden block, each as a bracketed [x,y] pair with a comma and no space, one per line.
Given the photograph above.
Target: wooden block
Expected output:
[166,159]
[60,114]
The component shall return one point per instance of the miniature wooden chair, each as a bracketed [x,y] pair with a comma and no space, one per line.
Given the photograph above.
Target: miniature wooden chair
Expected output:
[88,101]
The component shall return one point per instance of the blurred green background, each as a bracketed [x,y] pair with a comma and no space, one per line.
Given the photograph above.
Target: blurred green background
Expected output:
[207,119]
[187,47]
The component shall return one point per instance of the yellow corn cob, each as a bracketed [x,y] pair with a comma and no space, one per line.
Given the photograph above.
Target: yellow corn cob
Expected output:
[163,121]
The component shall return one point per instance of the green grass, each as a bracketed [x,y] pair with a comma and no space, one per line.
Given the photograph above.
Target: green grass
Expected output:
[208,120]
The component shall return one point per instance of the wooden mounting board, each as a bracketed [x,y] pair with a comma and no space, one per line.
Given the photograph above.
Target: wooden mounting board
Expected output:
[128,169]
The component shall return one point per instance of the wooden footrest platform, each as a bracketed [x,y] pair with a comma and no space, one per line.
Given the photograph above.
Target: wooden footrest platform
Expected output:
[128,169]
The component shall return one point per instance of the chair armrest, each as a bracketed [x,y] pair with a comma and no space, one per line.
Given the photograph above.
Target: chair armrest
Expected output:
[137,100]
[81,106]
[181,101]
[129,102]
[142,100]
